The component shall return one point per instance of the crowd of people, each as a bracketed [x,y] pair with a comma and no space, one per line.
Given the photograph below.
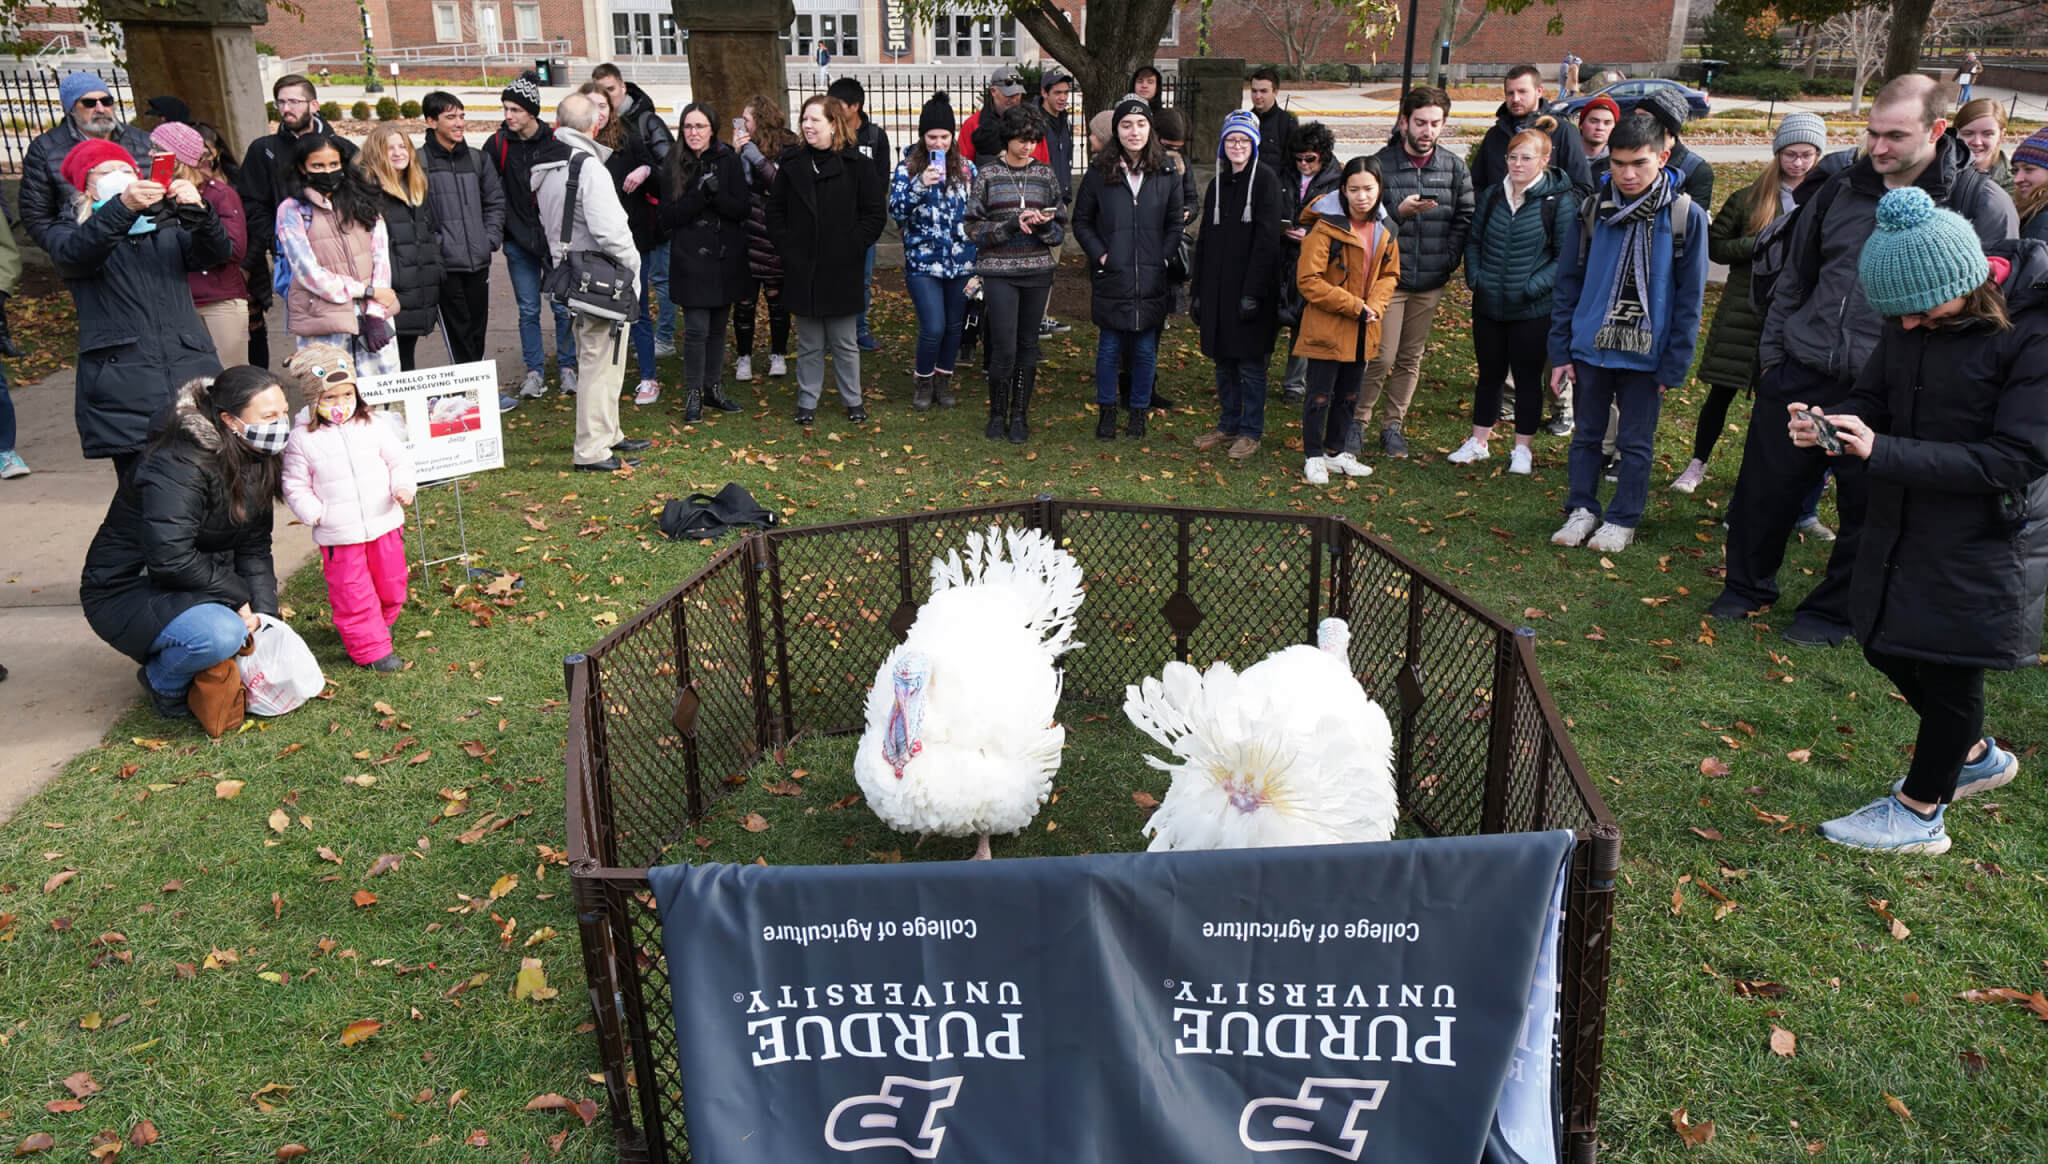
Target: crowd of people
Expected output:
[1884,309]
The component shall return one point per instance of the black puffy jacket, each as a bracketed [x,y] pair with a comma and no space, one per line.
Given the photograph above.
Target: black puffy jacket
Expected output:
[707,225]
[139,336]
[1432,242]
[1567,152]
[764,262]
[45,195]
[1953,561]
[643,204]
[169,543]
[415,263]
[469,205]
[1127,242]
[825,211]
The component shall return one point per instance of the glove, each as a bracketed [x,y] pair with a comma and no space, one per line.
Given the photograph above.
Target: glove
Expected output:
[7,347]
[1247,309]
[374,332]
[707,182]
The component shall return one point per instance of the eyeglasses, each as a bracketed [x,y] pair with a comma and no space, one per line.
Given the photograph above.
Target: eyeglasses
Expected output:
[292,103]
[97,102]
[1307,159]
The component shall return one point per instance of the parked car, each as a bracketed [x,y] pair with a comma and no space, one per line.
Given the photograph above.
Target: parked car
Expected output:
[1627,93]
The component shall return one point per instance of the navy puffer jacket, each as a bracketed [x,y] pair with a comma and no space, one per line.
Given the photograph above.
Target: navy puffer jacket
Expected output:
[1511,255]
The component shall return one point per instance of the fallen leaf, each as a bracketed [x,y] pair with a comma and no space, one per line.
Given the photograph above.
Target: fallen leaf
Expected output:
[106,1145]
[478,1139]
[785,788]
[504,885]
[755,823]
[1973,1063]
[57,879]
[144,1134]
[1783,1042]
[1713,767]
[63,1106]
[228,789]
[364,899]
[40,1142]
[548,1102]
[1799,755]
[280,820]
[81,1085]
[384,864]
[532,982]
[1707,834]
[90,1022]
[292,1151]
[359,1030]
[1694,1134]
[1898,1106]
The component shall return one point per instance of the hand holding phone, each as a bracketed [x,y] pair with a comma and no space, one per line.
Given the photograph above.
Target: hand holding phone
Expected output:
[1824,435]
[162,168]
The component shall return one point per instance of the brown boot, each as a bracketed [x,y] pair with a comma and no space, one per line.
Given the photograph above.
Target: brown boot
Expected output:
[1242,448]
[1210,440]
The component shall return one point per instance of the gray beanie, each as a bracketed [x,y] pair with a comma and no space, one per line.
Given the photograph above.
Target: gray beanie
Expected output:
[1801,129]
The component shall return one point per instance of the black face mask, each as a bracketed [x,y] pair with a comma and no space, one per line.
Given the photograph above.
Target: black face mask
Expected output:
[326,182]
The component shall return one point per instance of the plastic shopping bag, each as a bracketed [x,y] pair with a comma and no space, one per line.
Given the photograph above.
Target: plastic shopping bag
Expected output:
[281,673]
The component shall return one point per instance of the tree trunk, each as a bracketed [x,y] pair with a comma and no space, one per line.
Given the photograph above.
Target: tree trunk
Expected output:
[1909,28]
[1120,38]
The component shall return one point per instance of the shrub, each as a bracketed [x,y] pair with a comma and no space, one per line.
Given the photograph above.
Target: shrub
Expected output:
[270,110]
[329,111]
[408,108]
[265,49]
[1762,84]
[387,108]
[1825,86]
[1326,72]
[360,111]
[1746,43]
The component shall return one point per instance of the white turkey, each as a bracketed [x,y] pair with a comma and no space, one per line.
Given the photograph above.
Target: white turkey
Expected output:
[960,735]
[1291,752]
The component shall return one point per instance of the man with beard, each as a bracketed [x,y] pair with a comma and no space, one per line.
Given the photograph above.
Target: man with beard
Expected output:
[1597,119]
[89,114]
[296,101]
[1428,193]
[1523,104]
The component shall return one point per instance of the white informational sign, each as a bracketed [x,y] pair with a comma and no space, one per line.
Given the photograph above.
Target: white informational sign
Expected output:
[449,415]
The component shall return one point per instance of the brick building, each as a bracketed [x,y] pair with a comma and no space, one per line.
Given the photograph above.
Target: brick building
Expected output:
[510,27]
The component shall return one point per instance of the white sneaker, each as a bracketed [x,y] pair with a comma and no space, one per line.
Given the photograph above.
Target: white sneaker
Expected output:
[777,366]
[650,391]
[531,387]
[1690,480]
[1472,450]
[1520,462]
[569,381]
[743,369]
[12,466]
[1315,471]
[1348,465]
[1611,538]
[1575,528]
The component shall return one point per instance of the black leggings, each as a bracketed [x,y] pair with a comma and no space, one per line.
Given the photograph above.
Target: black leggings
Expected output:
[1713,421]
[1011,311]
[1521,346]
[1326,410]
[778,319]
[1950,702]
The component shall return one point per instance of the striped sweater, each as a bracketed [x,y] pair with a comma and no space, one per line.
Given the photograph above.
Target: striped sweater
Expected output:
[1000,192]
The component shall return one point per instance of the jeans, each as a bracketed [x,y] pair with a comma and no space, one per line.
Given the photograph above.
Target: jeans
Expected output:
[1010,311]
[703,346]
[653,273]
[778,319]
[195,640]
[1519,347]
[941,310]
[1950,702]
[1295,381]
[1327,409]
[526,270]
[867,293]
[1241,391]
[6,415]
[813,333]
[1639,399]
[1143,347]
[665,317]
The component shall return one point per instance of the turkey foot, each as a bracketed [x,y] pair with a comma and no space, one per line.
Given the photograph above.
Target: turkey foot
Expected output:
[981,852]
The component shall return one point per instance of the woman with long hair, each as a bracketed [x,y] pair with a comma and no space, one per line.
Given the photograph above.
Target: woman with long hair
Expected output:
[762,138]
[1980,126]
[930,196]
[1510,264]
[389,162]
[1017,222]
[331,235]
[1952,564]
[1127,217]
[825,210]
[220,294]
[181,566]
[2030,184]
[704,207]
[1728,364]
[1349,264]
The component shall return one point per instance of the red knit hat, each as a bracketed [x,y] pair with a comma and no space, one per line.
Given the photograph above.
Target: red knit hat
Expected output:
[90,153]
[1603,102]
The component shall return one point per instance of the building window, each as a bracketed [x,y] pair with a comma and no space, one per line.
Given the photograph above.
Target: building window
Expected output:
[839,31]
[527,17]
[632,34]
[671,39]
[963,35]
[1172,29]
[447,24]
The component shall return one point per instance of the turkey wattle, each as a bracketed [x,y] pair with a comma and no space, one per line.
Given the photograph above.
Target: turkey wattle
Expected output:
[960,736]
[1291,752]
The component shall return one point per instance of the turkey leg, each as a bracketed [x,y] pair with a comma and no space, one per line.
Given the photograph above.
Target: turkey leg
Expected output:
[981,852]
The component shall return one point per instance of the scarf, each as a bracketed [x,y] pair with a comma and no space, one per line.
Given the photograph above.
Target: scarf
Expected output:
[1626,327]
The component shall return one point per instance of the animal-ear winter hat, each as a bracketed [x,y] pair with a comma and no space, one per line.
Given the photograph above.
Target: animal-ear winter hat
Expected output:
[1920,256]
[524,92]
[2033,151]
[937,114]
[1244,124]
[1801,128]
[317,365]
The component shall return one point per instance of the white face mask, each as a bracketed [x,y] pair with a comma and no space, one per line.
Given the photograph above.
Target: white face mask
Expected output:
[110,186]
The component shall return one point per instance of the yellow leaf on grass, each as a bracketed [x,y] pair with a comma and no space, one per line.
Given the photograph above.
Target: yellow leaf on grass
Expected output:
[532,982]
[359,1030]
[1898,1106]
[280,820]
[1783,1042]
[228,789]
[504,885]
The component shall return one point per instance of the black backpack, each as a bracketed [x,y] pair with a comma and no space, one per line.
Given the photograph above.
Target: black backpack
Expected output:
[1773,248]
[704,516]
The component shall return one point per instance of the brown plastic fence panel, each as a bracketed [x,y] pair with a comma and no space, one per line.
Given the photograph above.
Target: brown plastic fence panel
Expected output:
[781,635]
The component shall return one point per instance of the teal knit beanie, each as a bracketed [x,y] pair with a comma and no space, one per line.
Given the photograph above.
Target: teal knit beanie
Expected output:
[1920,256]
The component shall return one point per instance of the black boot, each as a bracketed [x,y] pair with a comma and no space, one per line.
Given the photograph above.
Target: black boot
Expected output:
[998,409]
[719,400]
[1161,401]
[1020,406]
[693,406]
[942,390]
[921,394]
[1105,423]
[1135,427]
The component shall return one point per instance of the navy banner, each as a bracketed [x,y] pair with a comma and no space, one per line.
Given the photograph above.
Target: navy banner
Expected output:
[1385,1002]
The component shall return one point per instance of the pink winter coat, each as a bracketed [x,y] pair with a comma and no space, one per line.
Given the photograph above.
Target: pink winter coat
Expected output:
[340,479]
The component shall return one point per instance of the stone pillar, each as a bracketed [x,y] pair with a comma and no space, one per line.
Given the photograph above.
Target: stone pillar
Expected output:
[1219,90]
[201,50]
[736,52]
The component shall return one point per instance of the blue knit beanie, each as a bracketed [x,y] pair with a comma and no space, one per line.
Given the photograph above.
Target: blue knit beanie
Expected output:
[1238,122]
[76,85]
[2033,151]
[1920,256]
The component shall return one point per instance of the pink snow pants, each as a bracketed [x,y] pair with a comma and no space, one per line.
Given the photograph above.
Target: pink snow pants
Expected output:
[366,588]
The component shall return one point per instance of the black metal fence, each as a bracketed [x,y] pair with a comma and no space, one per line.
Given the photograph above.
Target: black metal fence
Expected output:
[780,634]
[30,105]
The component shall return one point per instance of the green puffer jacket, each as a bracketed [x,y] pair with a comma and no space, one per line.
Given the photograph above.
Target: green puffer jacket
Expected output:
[1511,255]
[1730,357]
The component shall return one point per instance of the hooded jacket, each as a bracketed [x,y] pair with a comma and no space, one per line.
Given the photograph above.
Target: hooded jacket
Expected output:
[1339,280]
[825,211]
[1818,315]
[169,543]
[598,222]
[706,224]
[469,205]
[340,479]
[1432,242]
[1127,241]
[1677,285]
[1567,152]
[45,195]
[515,157]
[1511,255]
[1238,257]
[649,132]
[139,337]
[1729,360]
[1953,561]
[1059,146]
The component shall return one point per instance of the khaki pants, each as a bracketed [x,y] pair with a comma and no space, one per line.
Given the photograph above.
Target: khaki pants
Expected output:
[1404,331]
[228,323]
[600,369]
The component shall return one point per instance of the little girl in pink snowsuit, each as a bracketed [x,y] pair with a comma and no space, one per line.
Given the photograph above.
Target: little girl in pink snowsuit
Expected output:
[346,476]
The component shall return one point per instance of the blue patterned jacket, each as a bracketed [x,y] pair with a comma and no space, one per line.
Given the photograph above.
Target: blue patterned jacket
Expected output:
[934,243]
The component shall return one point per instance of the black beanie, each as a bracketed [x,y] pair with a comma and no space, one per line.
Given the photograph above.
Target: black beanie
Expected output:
[938,114]
[524,92]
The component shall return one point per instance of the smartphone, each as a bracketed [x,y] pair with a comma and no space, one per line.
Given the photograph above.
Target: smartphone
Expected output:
[939,160]
[739,126]
[162,168]
[1824,433]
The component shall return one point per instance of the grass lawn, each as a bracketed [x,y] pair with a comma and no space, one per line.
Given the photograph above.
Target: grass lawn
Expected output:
[201,957]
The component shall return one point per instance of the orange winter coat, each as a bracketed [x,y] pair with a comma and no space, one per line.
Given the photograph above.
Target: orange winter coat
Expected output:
[1338,281]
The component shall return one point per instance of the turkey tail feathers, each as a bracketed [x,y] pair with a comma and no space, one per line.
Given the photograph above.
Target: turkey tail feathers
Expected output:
[1044,577]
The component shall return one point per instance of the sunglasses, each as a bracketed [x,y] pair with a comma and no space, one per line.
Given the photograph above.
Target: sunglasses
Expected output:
[1307,159]
[97,102]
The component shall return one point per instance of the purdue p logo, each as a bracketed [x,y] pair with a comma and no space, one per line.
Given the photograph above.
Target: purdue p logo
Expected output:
[1322,1117]
[904,1115]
